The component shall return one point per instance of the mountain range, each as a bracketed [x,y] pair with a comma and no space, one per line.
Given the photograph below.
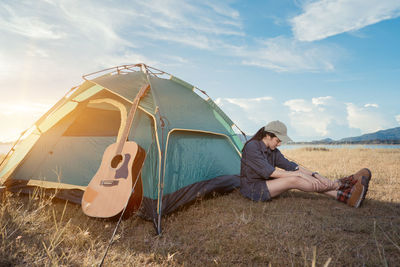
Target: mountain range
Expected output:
[388,136]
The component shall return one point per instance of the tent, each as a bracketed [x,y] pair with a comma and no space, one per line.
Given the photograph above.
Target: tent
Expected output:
[191,147]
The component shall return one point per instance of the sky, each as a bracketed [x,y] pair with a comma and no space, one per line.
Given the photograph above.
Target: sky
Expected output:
[326,68]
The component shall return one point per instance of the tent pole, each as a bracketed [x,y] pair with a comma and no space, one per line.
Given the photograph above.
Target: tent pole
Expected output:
[145,69]
[161,178]
[12,147]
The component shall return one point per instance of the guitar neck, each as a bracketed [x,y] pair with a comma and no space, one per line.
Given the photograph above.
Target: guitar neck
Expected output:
[130,118]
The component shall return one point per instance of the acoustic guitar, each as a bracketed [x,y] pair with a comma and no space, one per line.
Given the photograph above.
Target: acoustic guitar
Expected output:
[111,188]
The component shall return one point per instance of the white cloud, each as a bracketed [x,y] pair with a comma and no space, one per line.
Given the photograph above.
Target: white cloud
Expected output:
[96,23]
[223,9]
[371,105]
[177,59]
[245,103]
[28,25]
[196,41]
[325,18]
[366,119]
[200,25]
[313,118]
[32,27]
[327,117]
[93,31]
[126,57]
[397,117]
[320,101]
[307,119]
[251,113]
[283,54]
[299,106]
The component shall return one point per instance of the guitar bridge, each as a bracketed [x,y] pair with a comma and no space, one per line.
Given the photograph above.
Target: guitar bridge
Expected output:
[109,182]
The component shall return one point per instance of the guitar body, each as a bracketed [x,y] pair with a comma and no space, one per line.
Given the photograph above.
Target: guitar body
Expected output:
[110,189]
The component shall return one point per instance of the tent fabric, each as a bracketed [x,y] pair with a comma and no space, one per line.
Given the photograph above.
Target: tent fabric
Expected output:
[18,154]
[171,202]
[83,126]
[127,86]
[188,111]
[197,156]
[22,186]
[191,149]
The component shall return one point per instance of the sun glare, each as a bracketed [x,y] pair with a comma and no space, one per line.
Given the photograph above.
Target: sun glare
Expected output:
[23,107]
[17,117]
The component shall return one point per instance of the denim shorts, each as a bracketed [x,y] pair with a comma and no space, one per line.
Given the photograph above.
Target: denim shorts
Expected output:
[256,191]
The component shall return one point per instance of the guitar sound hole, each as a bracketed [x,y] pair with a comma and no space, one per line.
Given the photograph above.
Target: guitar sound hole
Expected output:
[116,161]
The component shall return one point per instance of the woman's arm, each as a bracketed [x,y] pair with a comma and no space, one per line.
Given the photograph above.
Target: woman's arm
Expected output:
[254,159]
[279,173]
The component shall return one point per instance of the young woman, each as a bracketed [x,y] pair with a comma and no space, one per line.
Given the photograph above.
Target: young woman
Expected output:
[261,180]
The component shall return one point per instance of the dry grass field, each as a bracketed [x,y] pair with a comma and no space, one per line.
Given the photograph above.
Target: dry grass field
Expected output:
[296,229]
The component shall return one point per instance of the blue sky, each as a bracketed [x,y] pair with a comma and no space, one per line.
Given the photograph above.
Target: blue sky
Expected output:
[327,68]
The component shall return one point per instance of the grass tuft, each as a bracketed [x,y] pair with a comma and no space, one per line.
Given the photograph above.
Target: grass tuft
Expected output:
[315,149]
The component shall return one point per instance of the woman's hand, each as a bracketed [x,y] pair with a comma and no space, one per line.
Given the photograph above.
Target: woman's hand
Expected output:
[328,184]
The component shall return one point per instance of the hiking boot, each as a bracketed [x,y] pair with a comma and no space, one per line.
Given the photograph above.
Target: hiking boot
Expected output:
[363,172]
[353,187]
[359,190]
[350,181]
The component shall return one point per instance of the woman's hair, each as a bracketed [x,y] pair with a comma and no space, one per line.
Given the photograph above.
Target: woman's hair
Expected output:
[260,134]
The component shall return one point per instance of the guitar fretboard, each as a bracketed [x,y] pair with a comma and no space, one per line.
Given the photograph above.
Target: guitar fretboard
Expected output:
[130,118]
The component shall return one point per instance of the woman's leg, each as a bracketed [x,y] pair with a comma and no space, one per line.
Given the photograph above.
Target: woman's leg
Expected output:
[332,193]
[280,185]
